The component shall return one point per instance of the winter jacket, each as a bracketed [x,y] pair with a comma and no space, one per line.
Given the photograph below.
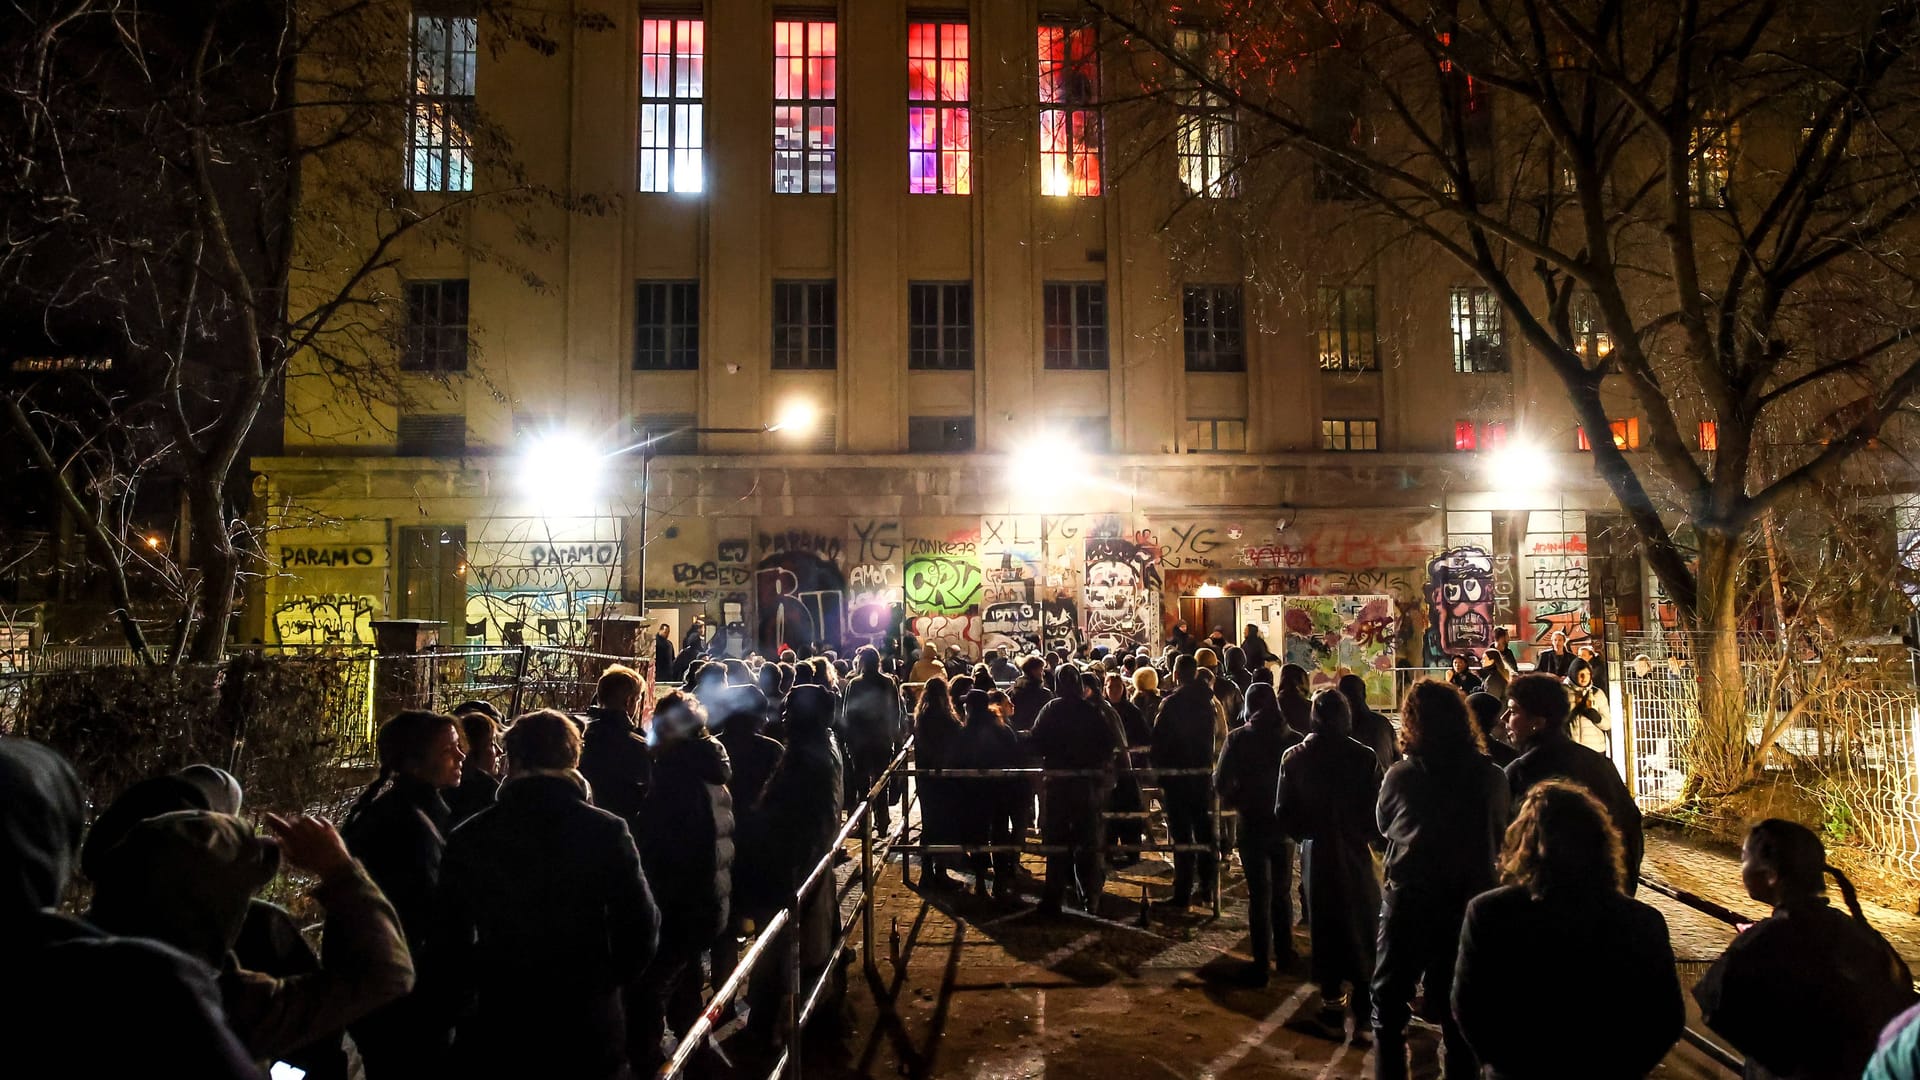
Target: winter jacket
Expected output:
[89,1006]
[871,717]
[476,792]
[1298,712]
[1804,993]
[1138,731]
[1257,653]
[1375,730]
[1551,755]
[1444,818]
[1072,734]
[615,760]
[1148,703]
[1029,697]
[1247,777]
[1183,733]
[1232,699]
[1537,975]
[752,756]
[664,668]
[399,838]
[686,831]
[544,916]
[987,744]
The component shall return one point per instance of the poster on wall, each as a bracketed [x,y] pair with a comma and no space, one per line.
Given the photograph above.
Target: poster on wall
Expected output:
[1328,633]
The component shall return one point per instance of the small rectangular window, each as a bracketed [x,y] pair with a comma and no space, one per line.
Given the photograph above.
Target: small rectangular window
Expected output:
[1348,339]
[1710,156]
[806,321]
[1479,338]
[940,325]
[440,103]
[1590,336]
[1069,109]
[1205,135]
[804,106]
[667,433]
[1709,436]
[672,96]
[1494,435]
[1465,437]
[1209,436]
[1211,318]
[939,116]
[666,326]
[1076,325]
[1349,434]
[436,326]
[939,434]
[1625,433]
[431,435]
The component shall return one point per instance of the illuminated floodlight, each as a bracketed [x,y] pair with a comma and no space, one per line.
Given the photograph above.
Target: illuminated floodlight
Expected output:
[1519,465]
[797,418]
[1210,592]
[561,472]
[1049,458]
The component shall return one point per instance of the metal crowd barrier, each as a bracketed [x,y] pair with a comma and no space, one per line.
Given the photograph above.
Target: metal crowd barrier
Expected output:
[1698,1040]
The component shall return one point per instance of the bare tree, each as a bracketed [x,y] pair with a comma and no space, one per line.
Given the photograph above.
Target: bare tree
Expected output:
[1695,206]
[202,199]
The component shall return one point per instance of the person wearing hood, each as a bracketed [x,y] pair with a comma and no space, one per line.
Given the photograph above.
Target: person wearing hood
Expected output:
[1329,785]
[1254,645]
[1128,798]
[1230,687]
[1293,698]
[872,722]
[397,829]
[1183,738]
[798,821]
[1370,727]
[1444,813]
[992,811]
[1538,722]
[1072,734]
[544,916]
[89,999]
[187,877]
[1590,722]
[686,845]
[614,756]
[1246,778]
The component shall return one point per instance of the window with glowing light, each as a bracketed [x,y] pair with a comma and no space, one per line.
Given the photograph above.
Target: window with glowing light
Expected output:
[672,92]
[1347,338]
[804,62]
[1625,434]
[440,105]
[1464,435]
[1468,435]
[1208,436]
[1709,436]
[1349,434]
[1076,325]
[1710,156]
[939,114]
[1069,110]
[1590,337]
[1479,333]
[1205,135]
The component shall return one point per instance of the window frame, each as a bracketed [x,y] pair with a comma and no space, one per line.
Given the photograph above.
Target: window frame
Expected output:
[1480,308]
[1200,344]
[1712,143]
[442,161]
[1075,299]
[817,327]
[680,295]
[1343,327]
[1346,431]
[950,117]
[684,110]
[1074,129]
[953,337]
[1206,126]
[921,425]
[1213,427]
[818,164]
[416,354]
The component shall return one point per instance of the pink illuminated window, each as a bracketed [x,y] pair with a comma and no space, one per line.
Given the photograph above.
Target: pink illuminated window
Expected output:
[803,107]
[672,89]
[1069,110]
[939,119]
[1464,437]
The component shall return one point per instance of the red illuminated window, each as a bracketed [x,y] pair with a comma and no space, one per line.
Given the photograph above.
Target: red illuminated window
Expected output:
[803,106]
[939,121]
[1626,434]
[1464,437]
[1709,436]
[1069,110]
[672,89]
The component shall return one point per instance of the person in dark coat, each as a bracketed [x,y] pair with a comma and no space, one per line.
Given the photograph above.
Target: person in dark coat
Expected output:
[544,917]
[614,756]
[397,829]
[1370,727]
[872,724]
[1230,686]
[664,654]
[1461,674]
[1127,796]
[1293,700]
[1029,693]
[993,811]
[1329,785]
[795,829]
[1183,738]
[1556,660]
[1443,811]
[1146,697]
[1804,992]
[1254,646]
[1002,669]
[686,846]
[936,737]
[1489,715]
[480,773]
[1071,733]
[1247,777]
[753,757]
[1559,952]
[1182,642]
[88,1003]
[1538,721]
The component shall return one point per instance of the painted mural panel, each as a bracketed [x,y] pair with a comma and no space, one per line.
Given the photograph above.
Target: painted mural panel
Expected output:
[1120,594]
[944,584]
[1557,590]
[325,619]
[1328,633]
[800,583]
[536,581]
[329,584]
[1012,567]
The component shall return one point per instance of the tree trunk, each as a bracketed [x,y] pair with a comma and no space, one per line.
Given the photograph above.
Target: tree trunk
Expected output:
[1720,753]
[218,563]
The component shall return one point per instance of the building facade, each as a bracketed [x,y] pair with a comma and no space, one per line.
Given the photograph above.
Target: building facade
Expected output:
[1044,405]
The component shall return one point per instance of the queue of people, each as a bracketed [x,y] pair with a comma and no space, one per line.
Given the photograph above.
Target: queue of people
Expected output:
[560,895]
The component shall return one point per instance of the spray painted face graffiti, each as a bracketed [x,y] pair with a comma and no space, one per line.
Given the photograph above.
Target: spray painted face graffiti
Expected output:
[1460,592]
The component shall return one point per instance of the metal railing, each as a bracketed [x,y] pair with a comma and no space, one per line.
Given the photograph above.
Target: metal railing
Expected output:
[1697,1039]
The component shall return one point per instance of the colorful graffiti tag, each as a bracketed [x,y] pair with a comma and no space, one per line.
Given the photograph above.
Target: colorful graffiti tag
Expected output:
[1461,598]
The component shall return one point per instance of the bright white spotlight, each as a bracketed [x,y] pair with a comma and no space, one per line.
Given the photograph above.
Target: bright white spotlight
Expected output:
[1519,466]
[1049,457]
[796,418]
[561,472]
[1210,592]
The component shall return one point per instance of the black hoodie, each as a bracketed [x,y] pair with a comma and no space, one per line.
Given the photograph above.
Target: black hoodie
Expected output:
[686,832]
[614,759]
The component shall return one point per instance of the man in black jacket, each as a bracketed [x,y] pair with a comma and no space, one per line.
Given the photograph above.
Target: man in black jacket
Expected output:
[1558,660]
[1071,733]
[1183,734]
[614,756]
[1029,694]
[686,845]
[1538,719]
[871,721]
[1248,778]
[544,917]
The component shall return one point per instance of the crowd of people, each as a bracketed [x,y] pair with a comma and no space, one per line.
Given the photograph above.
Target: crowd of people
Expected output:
[559,895]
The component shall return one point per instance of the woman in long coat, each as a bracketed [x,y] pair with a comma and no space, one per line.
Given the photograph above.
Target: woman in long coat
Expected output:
[991,811]
[936,735]
[1329,785]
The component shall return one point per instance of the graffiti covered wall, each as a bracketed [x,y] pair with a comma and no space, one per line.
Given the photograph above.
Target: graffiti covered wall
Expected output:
[536,581]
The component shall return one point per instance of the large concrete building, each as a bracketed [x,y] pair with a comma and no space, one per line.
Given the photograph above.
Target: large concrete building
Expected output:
[1047,404]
